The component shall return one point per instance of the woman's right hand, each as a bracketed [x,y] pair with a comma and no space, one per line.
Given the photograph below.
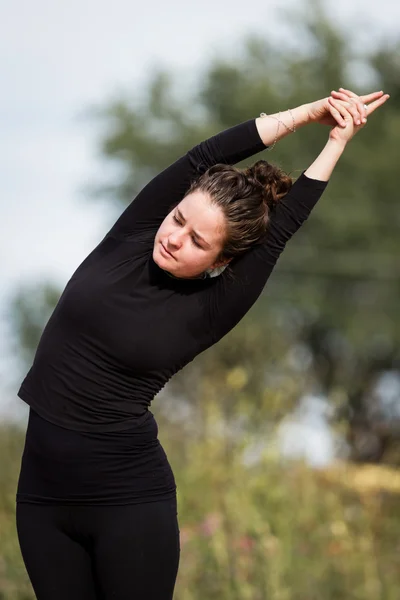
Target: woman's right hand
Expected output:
[347,99]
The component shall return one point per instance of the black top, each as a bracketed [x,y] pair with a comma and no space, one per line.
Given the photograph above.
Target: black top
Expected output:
[65,467]
[123,327]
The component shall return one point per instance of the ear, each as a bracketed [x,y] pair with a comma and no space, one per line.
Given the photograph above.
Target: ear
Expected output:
[220,263]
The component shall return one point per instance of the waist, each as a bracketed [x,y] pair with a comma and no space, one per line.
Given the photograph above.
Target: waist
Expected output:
[62,465]
[94,414]
[56,441]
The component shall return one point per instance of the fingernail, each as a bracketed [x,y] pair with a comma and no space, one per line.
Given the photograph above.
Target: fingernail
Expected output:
[364,120]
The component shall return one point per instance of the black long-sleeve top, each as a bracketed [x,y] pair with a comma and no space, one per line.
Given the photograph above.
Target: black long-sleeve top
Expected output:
[123,327]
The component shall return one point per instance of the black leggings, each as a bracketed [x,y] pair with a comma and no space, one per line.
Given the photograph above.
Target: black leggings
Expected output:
[128,552]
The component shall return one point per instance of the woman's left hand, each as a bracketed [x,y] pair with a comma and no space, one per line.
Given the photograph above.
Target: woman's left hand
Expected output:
[322,111]
[344,134]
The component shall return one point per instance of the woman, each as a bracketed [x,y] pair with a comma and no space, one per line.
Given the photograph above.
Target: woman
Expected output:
[96,498]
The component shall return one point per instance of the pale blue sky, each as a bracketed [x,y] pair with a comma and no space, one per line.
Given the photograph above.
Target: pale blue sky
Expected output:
[58,58]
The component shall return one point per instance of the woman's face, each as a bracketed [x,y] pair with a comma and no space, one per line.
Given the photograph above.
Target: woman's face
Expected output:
[191,237]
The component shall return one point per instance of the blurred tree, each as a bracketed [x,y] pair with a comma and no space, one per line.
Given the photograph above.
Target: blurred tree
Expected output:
[329,320]
[30,308]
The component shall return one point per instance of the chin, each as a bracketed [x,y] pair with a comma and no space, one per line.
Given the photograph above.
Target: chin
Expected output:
[158,259]
[161,261]
[168,264]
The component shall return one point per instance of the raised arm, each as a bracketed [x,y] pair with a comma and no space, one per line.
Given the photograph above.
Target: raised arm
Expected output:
[233,293]
[231,146]
[231,297]
[154,202]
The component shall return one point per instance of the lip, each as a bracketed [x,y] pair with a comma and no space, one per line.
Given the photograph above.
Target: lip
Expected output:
[165,251]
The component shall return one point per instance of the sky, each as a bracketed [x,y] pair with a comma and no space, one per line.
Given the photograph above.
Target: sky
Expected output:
[58,59]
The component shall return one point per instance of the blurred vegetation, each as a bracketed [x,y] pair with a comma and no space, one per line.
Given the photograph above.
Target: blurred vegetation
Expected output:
[330,310]
[268,530]
[328,324]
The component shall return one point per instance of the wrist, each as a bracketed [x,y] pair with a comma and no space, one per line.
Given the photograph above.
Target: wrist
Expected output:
[337,144]
[308,116]
[323,166]
[302,115]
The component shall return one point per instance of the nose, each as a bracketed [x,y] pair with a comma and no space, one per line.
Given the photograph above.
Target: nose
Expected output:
[174,240]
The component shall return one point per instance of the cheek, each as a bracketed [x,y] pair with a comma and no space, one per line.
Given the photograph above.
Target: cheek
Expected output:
[161,229]
[167,227]
[188,255]
[200,260]
[163,233]
[191,260]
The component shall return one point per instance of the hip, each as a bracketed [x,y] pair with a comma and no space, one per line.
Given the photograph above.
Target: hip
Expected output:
[62,465]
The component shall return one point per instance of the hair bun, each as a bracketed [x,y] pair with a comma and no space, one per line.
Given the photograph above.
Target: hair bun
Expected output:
[275,181]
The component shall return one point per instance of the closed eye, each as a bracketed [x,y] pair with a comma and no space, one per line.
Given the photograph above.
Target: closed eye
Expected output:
[195,242]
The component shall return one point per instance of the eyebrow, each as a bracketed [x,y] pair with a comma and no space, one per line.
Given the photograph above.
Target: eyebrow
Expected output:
[195,232]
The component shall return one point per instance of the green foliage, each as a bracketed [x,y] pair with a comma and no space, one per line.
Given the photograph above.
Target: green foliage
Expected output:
[14,583]
[269,530]
[340,273]
[328,322]
[30,308]
[333,298]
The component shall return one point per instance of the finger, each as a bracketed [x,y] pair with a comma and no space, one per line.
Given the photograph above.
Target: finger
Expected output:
[340,96]
[362,112]
[355,108]
[341,111]
[374,105]
[336,114]
[362,101]
[348,93]
[370,97]
[364,98]
[359,112]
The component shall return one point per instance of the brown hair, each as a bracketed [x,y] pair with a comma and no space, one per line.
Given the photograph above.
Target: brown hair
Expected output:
[246,197]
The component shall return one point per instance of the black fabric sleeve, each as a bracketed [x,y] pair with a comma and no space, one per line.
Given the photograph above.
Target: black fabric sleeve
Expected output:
[232,295]
[154,202]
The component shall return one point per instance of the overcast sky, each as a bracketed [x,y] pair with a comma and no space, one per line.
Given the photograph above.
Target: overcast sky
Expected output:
[59,58]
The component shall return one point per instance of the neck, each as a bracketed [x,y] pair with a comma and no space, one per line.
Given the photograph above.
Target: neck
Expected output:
[201,276]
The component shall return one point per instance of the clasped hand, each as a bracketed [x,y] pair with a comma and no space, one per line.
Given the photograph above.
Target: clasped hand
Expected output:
[345,112]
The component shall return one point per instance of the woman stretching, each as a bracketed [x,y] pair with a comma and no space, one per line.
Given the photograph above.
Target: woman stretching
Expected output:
[96,498]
